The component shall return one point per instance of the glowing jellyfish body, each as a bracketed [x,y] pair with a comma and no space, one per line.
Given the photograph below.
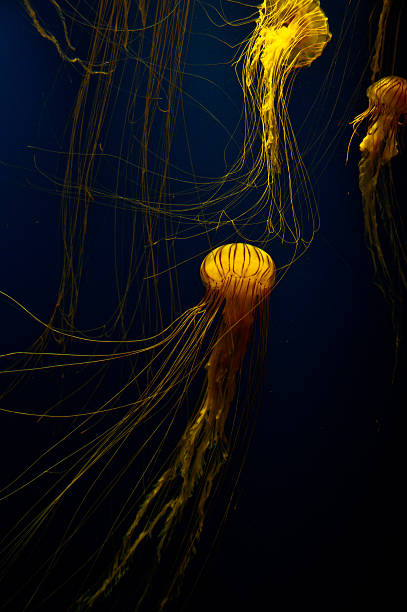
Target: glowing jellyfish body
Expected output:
[240,277]
[386,113]
[289,34]
[243,277]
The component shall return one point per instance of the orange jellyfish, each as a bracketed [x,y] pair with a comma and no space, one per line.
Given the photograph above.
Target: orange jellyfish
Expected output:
[238,280]
[386,112]
[386,115]
[240,277]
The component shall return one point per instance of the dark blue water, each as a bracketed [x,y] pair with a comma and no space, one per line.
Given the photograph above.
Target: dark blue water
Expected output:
[316,518]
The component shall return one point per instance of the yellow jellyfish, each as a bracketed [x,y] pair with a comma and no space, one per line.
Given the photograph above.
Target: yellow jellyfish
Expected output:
[289,34]
[238,280]
[386,116]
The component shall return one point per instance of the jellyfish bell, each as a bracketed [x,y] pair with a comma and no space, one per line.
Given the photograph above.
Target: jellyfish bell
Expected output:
[288,33]
[387,111]
[241,274]
[296,31]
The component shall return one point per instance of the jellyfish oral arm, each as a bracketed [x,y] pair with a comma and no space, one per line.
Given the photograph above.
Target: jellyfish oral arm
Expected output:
[222,368]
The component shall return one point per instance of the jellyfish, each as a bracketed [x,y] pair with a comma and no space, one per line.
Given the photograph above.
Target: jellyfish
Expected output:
[240,277]
[386,116]
[289,35]
[238,280]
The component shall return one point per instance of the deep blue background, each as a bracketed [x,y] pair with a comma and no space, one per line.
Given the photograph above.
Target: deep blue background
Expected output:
[317,517]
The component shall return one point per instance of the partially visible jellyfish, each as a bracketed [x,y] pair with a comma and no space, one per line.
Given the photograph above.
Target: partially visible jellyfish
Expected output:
[386,116]
[385,113]
[289,34]
[238,280]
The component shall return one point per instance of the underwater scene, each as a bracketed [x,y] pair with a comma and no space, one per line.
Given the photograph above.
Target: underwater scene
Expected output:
[203,362]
